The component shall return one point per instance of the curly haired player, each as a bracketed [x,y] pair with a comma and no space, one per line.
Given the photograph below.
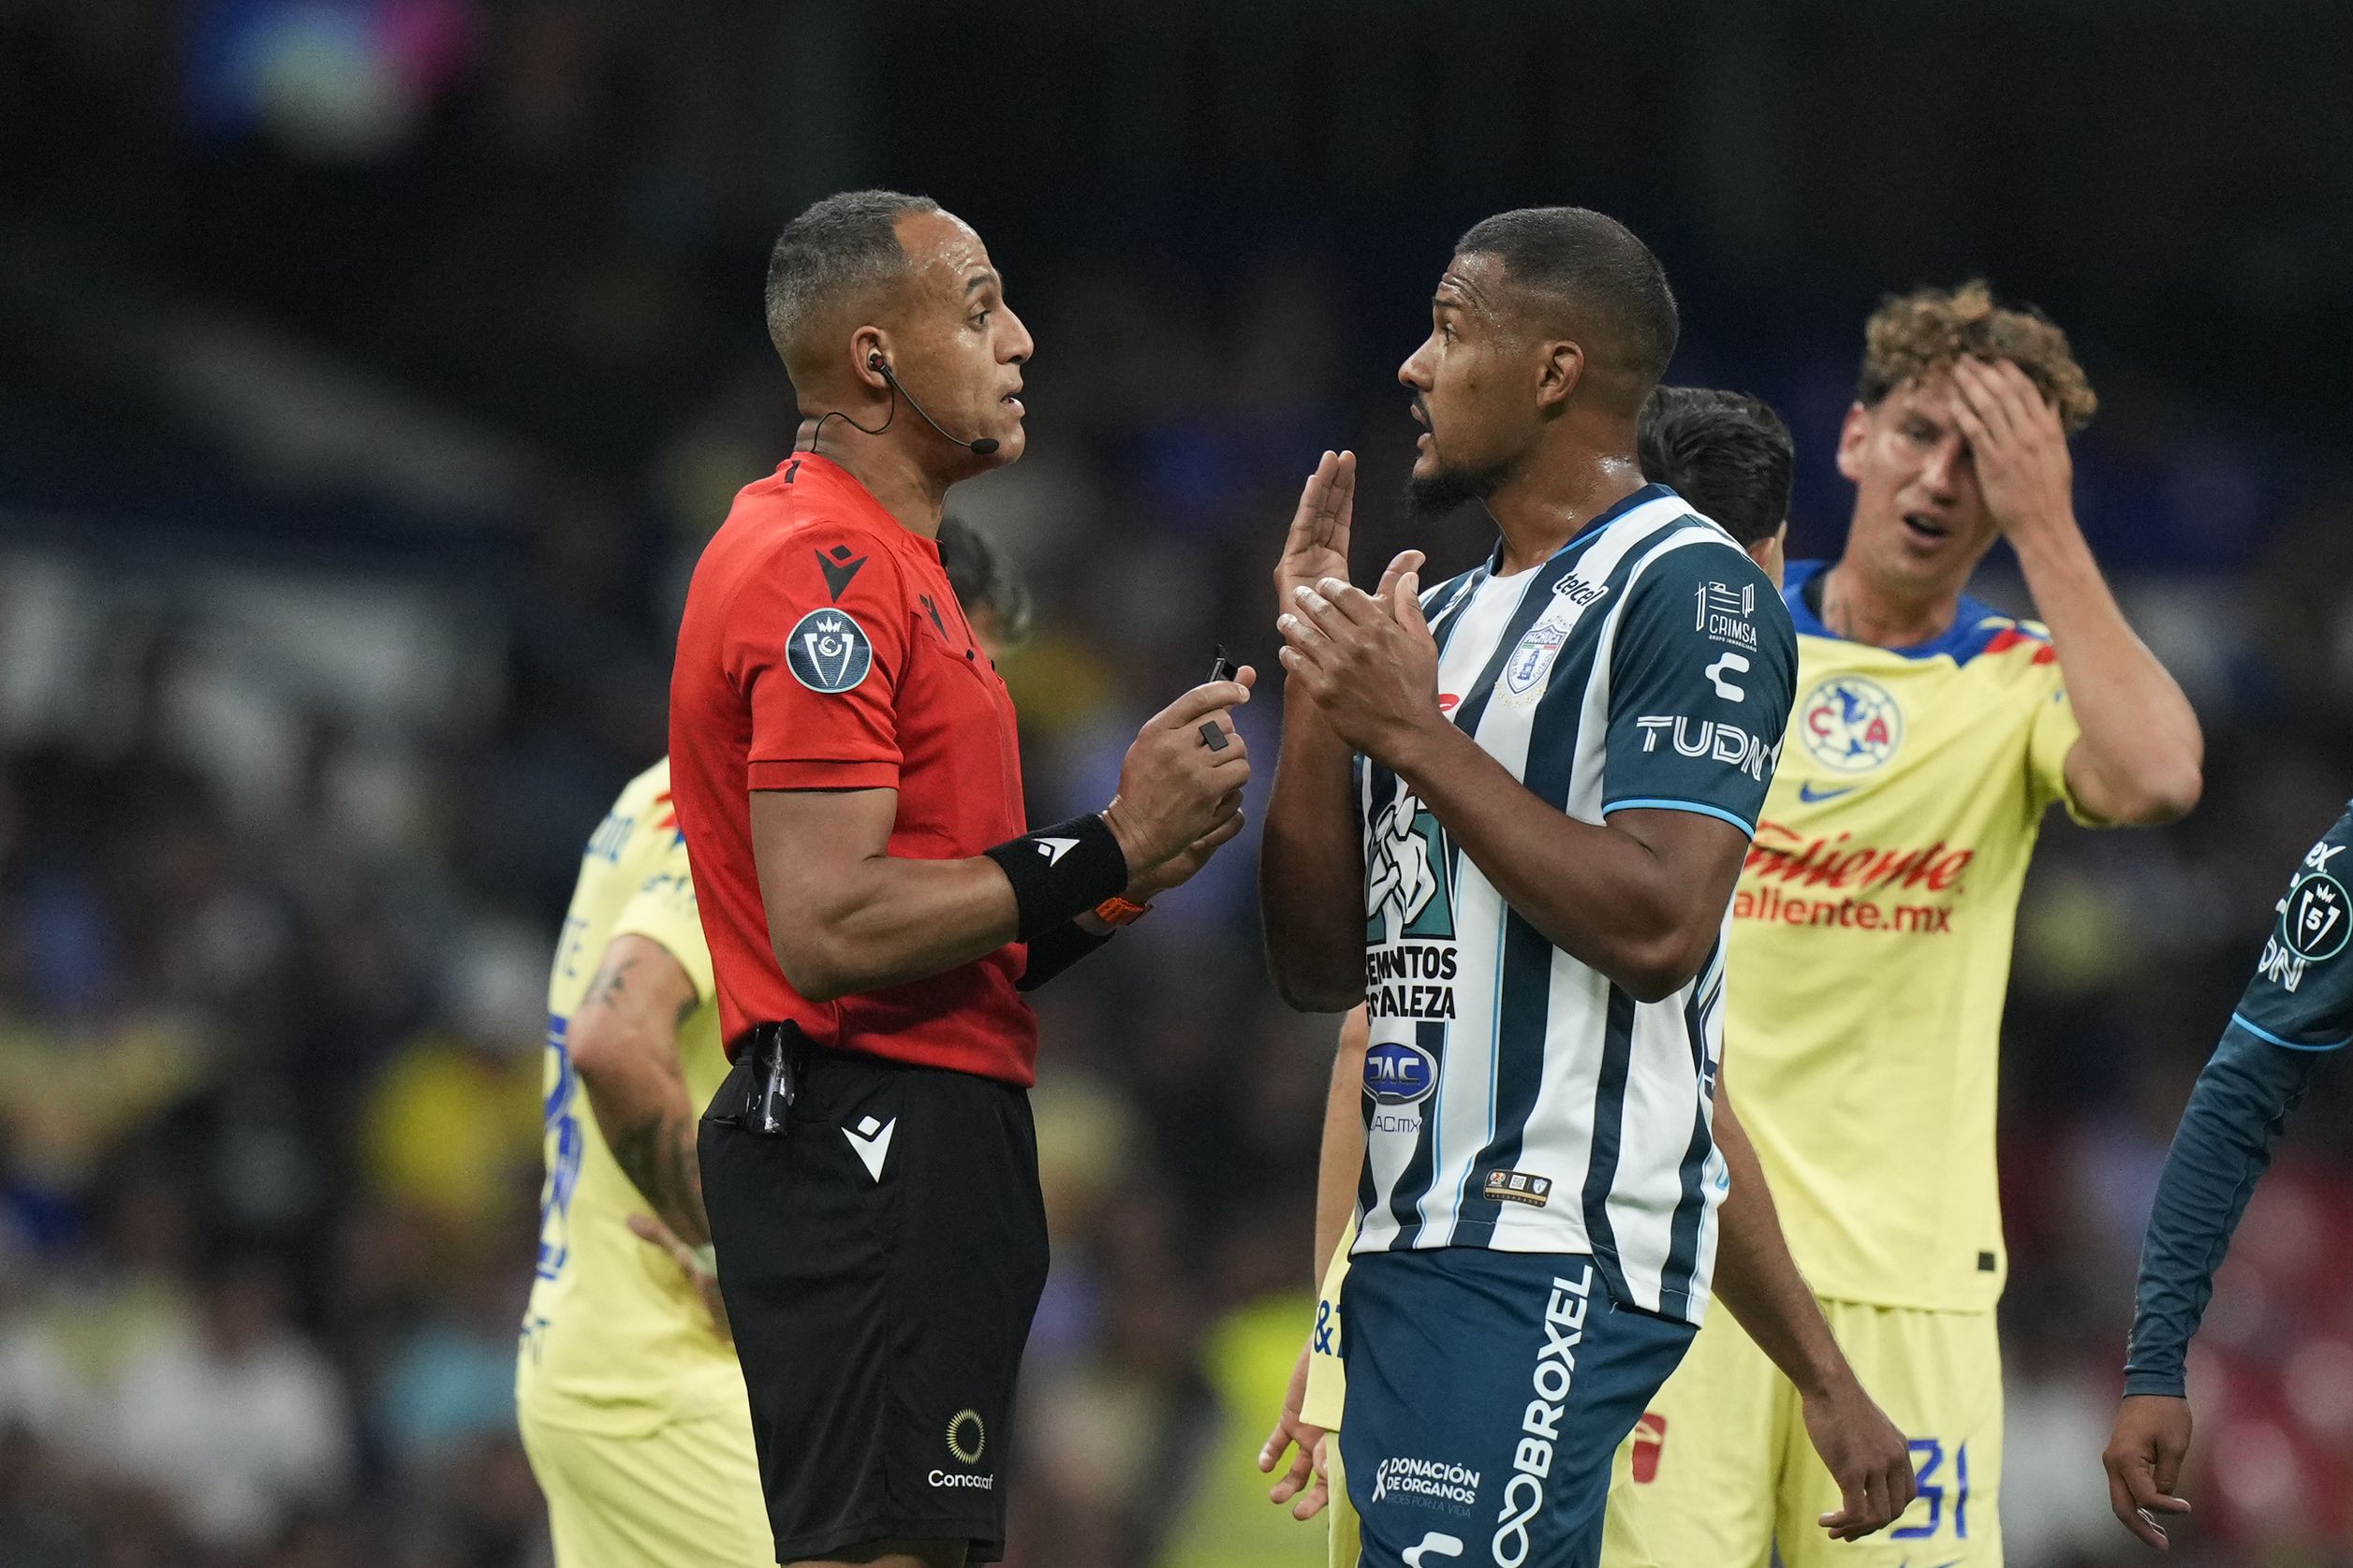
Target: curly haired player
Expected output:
[1871,929]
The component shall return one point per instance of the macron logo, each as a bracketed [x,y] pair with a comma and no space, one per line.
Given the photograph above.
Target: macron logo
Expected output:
[1055,849]
[871,1140]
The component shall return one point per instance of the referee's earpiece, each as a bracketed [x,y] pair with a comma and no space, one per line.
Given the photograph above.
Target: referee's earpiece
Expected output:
[875,362]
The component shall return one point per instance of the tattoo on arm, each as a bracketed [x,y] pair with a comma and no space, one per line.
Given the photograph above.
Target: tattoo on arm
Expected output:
[658,1155]
[606,989]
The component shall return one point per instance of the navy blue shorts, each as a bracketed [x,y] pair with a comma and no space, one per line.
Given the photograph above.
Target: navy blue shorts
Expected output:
[1487,1392]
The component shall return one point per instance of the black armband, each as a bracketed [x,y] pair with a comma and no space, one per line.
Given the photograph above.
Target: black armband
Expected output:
[1060,873]
[1051,952]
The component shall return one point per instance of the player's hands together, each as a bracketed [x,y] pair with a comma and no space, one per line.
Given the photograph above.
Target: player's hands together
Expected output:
[1367,661]
[1306,1477]
[651,1231]
[2018,446]
[1318,545]
[1176,790]
[2144,1463]
[1866,1454]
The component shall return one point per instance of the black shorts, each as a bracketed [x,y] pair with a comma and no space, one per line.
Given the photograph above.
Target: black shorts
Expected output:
[881,1256]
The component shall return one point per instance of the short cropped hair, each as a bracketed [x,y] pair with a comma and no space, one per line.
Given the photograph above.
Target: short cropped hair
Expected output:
[1914,335]
[837,249]
[1727,453]
[985,583]
[1592,266]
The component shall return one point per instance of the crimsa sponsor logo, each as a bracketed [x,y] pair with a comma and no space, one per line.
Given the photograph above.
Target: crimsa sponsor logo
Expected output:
[1724,612]
[1410,980]
[1726,743]
[1554,1375]
[1518,1186]
[1434,1482]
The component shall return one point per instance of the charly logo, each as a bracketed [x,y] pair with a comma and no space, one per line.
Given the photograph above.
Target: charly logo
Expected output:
[1406,875]
[828,652]
[1397,1074]
[1851,723]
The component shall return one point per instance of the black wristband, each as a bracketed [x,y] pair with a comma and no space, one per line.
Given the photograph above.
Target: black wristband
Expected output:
[1053,951]
[1060,873]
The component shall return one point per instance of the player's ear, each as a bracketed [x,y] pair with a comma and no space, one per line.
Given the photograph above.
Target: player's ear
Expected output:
[1851,436]
[869,351]
[1559,370]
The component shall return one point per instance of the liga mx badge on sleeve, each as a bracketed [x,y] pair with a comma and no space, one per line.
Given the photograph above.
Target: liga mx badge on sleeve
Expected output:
[828,652]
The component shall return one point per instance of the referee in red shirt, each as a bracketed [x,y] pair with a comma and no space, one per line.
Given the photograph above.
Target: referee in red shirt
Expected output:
[845,770]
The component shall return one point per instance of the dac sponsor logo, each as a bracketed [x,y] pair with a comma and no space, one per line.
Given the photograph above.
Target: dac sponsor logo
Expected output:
[1397,1074]
[1851,723]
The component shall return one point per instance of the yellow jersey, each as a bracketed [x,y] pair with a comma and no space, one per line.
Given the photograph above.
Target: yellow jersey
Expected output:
[615,1340]
[1871,947]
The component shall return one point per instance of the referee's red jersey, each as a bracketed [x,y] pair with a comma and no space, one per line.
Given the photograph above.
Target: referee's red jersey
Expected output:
[823,648]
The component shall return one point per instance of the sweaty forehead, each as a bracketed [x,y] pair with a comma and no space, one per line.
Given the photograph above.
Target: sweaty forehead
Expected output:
[1472,282]
[944,255]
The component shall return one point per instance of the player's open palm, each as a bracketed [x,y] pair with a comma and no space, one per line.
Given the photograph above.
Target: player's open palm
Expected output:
[1183,777]
[1318,545]
[1866,1453]
[1367,661]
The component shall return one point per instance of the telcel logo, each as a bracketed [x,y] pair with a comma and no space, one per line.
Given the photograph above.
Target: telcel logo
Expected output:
[1397,1074]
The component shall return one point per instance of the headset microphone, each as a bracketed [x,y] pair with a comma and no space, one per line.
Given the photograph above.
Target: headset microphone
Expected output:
[981,448]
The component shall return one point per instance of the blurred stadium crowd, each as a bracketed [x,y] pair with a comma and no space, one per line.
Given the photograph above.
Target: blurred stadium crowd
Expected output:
[385,363]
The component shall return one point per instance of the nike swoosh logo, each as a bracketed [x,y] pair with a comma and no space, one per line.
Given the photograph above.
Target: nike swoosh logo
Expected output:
[874,1147]
[1814,796]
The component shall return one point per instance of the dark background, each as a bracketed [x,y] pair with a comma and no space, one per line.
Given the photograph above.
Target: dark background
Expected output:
[375,368]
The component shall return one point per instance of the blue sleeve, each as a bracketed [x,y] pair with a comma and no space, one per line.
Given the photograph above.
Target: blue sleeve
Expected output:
[2224,1143]
[2297,1007]
[1702,670]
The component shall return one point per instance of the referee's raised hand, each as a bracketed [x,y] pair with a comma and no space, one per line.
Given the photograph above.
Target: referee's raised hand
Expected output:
[1175,788]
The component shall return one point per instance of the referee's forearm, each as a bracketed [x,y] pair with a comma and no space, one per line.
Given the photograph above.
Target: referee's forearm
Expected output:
[1311,869]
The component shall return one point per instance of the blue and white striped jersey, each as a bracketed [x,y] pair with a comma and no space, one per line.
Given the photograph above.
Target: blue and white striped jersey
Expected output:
[1514,1097]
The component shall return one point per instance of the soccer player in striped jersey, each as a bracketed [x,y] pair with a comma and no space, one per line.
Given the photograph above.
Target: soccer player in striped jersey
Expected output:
[631,1404]
[1508,819]
[2296,1008]
[1871,939]
[1729,456]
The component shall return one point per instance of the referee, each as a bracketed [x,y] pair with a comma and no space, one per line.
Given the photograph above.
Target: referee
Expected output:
[845,770]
